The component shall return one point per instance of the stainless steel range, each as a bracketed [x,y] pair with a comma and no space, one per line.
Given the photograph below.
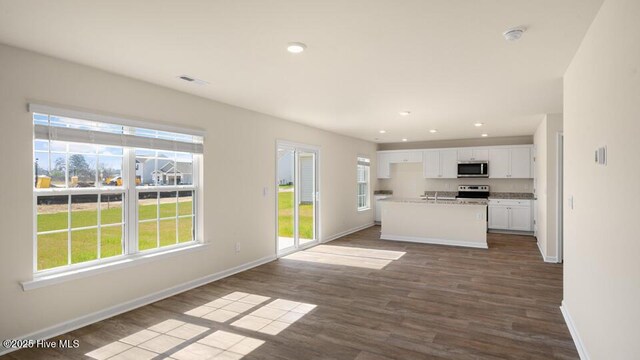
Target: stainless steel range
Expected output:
[473,192]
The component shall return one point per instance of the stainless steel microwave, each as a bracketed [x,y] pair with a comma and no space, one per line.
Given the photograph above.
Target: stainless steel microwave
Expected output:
[473,169]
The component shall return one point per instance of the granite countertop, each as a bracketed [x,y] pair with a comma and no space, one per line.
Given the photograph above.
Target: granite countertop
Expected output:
[452,194]
[433,202]
[508,195]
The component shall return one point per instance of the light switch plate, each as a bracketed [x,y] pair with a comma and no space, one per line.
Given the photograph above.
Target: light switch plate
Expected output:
[601,156]
[571,202]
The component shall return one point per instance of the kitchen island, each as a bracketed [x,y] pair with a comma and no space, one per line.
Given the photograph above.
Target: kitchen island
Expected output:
[445,222]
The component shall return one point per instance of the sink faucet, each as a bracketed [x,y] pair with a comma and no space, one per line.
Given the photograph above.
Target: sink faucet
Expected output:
[436,196]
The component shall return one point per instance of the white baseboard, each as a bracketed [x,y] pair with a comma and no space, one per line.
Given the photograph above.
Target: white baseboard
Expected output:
[511,232]
[347,232]
[582,351]
[434,241]
[85,320]
[545,258]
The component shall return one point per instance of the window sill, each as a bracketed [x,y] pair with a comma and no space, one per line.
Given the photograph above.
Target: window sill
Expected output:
[364,209]
[128,261]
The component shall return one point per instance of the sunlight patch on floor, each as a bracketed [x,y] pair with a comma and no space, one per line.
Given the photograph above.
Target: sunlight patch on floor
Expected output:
[166,337]
[150,342]
[228,345]
[185,341]
[347,256]
[227,307]
[357,251]
[274,317]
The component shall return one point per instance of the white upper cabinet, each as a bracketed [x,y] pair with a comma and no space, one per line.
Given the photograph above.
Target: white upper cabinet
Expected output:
[431,164]
[521,163]
[406,157]
[383,166]
[473,154]
[504,162]
[385,159]
[499,163]
[510,163]
[449,164]
[440,164]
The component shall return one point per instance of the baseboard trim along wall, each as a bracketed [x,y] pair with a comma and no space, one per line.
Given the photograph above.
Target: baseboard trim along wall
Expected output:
[347,232]
[545,258]
[582,351]
[435,241]
[85,320]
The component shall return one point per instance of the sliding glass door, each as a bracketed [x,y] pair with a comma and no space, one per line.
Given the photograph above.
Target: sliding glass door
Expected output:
[297,196]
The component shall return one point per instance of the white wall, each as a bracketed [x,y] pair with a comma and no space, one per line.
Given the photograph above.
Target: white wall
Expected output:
[407,180]
[602,241]
[546,165]
[239,161]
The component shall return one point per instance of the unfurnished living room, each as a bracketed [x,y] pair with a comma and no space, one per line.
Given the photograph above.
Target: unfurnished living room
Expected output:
[335,179]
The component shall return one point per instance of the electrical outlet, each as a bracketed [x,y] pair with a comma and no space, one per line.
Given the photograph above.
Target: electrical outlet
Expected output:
[265,191]
[479,216]
[237,247]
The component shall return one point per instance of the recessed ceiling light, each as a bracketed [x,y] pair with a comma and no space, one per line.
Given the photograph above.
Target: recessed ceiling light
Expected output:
[433,131]
[382,131]
[478,124]
[405,113]
[296,47]
[514,34]
[405,139]
[484,135]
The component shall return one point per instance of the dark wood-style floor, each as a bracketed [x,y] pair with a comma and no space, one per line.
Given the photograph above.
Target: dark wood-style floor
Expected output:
[435,302]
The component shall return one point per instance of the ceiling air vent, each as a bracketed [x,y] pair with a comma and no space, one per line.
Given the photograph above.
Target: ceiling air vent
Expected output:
[192,79]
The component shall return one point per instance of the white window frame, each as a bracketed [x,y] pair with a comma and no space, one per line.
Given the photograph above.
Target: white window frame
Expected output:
[130,193]
[367,182]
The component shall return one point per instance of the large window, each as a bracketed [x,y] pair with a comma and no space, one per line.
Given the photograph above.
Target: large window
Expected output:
[103,191]
[364,166]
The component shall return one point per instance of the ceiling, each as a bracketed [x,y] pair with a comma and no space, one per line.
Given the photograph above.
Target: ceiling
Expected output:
[444,60]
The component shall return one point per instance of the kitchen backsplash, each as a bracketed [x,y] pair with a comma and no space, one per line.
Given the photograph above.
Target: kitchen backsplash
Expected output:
[407,180]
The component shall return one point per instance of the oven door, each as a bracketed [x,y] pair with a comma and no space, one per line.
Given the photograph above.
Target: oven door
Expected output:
[473,170]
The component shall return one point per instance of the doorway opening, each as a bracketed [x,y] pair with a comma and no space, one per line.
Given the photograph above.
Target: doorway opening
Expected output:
[560,196]
[297,197]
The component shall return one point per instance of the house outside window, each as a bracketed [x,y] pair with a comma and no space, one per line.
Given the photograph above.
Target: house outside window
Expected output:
[363,181]
[106,191]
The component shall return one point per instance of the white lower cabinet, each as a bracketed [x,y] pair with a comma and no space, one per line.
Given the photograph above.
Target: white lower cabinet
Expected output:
[510,215]
[520,218]
[498,217]
[378,207]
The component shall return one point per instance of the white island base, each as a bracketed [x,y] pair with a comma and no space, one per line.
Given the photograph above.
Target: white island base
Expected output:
[431,222]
